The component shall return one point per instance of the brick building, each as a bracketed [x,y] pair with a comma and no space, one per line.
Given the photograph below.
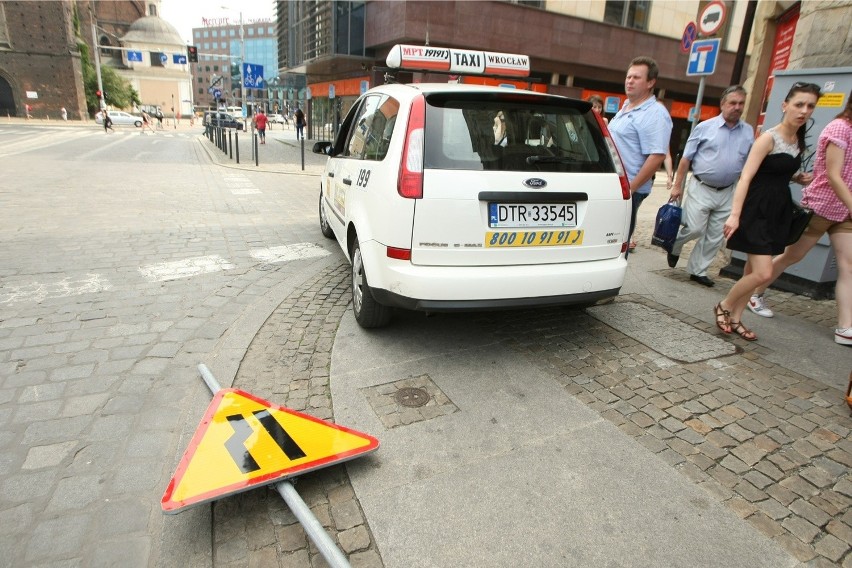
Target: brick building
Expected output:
[40,61]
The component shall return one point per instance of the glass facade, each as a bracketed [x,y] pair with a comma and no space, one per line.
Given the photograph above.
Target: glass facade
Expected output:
[222,60]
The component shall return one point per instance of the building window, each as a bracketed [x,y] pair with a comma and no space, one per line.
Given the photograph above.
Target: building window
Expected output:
[628,13]
[215,68]
[215,45]
[233,33]
[207,69]
[206,33]
[224,45]
[201,91]
[4,30]
[251,31]
[214,33]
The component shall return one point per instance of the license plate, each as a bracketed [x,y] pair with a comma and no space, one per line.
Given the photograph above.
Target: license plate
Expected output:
[502,215]
[501,239]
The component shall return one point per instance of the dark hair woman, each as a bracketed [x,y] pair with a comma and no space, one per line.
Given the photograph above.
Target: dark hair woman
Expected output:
[762,209]
[830,197]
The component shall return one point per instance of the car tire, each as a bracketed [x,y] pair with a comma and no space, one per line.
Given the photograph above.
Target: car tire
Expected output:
[368,313]
[137,124]
[326,229]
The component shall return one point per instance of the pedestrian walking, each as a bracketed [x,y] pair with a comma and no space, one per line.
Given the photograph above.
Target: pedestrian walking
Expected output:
[641,131]
[29,111]
[830,197]
[762,208]
[64,114]
[107,122]
[715,153]
[260,121]
[299,118]
[146,123]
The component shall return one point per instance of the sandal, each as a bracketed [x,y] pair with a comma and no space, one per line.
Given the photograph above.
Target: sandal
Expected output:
[741,330]
[722,321]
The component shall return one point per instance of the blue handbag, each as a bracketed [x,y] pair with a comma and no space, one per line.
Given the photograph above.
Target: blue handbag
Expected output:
[667,226]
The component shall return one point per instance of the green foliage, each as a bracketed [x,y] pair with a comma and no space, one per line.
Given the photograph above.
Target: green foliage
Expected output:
[119,93]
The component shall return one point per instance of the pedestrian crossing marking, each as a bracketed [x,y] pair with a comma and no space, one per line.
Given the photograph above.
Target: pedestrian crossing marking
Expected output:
[185,268]
[286,253]
[40,291]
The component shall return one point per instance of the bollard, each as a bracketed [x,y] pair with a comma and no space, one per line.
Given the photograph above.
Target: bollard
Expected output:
[230,146]
[303,152]
[237,143]
[256,151]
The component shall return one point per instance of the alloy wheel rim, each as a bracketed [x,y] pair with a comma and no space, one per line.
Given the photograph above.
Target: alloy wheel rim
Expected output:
[357,281]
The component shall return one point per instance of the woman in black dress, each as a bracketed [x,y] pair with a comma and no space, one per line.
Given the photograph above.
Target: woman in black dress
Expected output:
[762,209]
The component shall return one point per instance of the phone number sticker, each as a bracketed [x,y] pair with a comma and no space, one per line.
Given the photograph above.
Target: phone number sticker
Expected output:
[498,239]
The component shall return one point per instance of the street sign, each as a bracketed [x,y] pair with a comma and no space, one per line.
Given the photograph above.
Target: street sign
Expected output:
[252,76]
[179,59]
[612,105]
[365,86]
[164,58]
[134,56]
[711,18]
[245,442]
[703,57]
[690,33]
[331,91]
[217,93]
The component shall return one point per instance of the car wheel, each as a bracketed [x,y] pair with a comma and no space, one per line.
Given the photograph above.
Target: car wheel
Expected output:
[324,226]
[137,124]
[368,312]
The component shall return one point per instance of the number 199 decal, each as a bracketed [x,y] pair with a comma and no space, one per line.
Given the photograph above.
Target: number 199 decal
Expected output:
[363,178]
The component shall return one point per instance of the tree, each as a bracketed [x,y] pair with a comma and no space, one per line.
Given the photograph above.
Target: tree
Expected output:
[119,92]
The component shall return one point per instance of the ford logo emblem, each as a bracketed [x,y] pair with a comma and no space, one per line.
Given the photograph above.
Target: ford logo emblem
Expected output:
[535,183]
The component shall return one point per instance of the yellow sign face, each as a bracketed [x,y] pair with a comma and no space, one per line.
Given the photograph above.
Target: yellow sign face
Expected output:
[831,100]
[547,238]
[245,442]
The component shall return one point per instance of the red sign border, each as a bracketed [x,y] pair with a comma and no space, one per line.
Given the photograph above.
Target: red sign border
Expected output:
[721,19]
[170,506]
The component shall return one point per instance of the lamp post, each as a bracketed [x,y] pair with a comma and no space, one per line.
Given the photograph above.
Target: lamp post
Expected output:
[242,61]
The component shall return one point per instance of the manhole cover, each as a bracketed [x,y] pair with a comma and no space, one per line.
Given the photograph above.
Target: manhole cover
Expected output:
[411,397]
[266,267]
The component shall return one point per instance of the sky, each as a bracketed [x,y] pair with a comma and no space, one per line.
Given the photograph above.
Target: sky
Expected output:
[185,14]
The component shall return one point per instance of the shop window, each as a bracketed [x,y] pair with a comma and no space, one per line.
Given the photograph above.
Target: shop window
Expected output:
[628,13]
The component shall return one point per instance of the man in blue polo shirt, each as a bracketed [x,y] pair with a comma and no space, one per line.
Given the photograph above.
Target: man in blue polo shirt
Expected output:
[641,131]
[716,152]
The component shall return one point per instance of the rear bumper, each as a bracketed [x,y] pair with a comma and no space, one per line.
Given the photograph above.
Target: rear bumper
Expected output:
[446,288]
[390,299]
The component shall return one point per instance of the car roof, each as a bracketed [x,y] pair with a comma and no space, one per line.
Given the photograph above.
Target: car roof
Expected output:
[410,90]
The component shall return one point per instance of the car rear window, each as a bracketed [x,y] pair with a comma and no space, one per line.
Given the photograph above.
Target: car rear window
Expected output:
[513,132]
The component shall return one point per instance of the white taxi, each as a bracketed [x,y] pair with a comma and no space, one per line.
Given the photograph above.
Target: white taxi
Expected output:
[460,197]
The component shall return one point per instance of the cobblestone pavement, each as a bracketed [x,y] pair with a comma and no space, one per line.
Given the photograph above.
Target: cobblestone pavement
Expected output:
[771,444]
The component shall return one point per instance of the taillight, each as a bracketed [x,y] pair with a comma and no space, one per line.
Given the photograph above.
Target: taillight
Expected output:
[616,159]
[399,253]
[410,183]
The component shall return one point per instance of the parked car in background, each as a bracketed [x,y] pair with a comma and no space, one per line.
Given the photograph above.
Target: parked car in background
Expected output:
[277,119]
[221,118]
[120,118]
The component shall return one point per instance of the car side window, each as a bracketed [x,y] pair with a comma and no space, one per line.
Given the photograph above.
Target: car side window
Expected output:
[372,128]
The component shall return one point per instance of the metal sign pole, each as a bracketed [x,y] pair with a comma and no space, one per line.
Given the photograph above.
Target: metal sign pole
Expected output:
[697,117]
[329,551]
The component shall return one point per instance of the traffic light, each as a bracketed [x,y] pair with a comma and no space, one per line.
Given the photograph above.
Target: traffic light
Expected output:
[192,53]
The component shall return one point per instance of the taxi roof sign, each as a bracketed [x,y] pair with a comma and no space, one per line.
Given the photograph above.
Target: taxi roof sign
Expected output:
[245,442]
[458,61]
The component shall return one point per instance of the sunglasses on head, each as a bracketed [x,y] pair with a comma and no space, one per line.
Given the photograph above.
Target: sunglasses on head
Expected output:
[802,85]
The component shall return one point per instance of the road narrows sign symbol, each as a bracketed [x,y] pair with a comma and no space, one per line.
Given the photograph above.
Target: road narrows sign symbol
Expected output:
[245,442]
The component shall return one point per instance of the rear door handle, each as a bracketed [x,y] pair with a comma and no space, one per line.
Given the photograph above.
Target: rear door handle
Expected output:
[331,174]
[347,181]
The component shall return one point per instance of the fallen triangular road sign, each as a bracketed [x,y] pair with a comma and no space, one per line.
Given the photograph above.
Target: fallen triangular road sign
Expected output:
[245,442]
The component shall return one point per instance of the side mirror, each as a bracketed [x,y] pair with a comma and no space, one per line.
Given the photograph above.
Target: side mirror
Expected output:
[323,148]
